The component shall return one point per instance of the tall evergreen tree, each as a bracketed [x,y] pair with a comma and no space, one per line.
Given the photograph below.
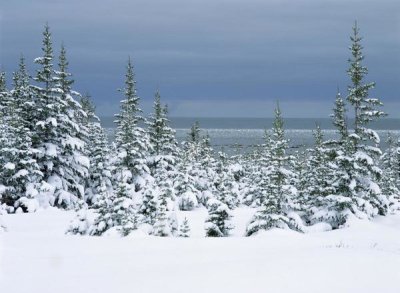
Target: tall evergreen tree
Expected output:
[162,136]
[319,179]
[100,170]
[23,175]
[366,194]
[57,133]
[277,208]
[132,141]
[390,173]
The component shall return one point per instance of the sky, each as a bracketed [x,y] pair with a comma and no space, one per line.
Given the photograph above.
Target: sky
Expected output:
[212,58]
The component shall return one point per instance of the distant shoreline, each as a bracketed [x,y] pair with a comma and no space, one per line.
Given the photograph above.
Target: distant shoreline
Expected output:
[260,123]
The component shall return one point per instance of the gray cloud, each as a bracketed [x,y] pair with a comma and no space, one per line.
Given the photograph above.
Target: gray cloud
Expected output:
[230,57]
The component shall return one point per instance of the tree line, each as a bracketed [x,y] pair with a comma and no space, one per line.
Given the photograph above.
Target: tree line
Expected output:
[54,152]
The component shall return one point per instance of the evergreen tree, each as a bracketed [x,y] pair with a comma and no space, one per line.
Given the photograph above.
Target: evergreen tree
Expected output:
[390,175]
[218,222]
[57,134]
[227,189]
[132,141]
[97,150]
[366,196]
[80,224]
[120,212]
[162,136]
[3,87]
[184,229]
[162,225]
[22,175]
[185,190]
[277,207]
[194,134]
[148,208]
[319,178]
[64,78]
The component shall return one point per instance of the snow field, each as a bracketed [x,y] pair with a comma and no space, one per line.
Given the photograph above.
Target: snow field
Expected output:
[36,256]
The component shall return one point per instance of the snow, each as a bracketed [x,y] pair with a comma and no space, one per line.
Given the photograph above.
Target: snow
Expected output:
[9,166]
[51,149]
[21,173]
[37,256]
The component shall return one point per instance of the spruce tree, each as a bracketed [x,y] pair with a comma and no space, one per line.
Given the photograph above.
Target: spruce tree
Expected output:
[390,176]
[148,208]
[162,136]
[227,190]
[366,194]
[218,222]
[22,175]
[57,133]
[162,225]
[100,170]
[184,229]
[115,211]
[277,208]
[132,141]
[319,179]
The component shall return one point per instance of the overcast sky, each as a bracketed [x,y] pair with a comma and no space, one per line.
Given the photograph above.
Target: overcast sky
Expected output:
[211,57]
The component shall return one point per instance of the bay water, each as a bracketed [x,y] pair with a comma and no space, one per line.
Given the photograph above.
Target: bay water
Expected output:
[238,135]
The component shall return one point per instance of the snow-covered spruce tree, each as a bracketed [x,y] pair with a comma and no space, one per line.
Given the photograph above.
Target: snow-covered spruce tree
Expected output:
[390,173]
[57,133]
[300,159]
[21,174]
[164,156]
[218,222]
[189,183]
[148,208]
[162,136]
[366,196]
[194,133]
[335,208]
[277,208]
[161,225]
[115,210]
[98,152]
[186,192]
[227,189]
[80,224]
[200,163]
[257,167]
[5,99]
[131,140]
[184,229]
[319,179]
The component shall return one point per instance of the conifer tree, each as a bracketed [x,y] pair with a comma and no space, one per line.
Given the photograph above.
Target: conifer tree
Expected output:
[116,211]
[218,222]
[148,208]
[366,195]
[97,150]
[319,178]
[161,225]
[132,141]
[194,134]
[184,229]
[390,176]
[162,136]
[57,133]
[22,175]
[277,208]
[227,190]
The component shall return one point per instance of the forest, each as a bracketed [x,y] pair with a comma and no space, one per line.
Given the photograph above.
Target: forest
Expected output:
[55,153]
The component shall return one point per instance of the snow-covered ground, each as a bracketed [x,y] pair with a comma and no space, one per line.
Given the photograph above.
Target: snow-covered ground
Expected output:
[36,256]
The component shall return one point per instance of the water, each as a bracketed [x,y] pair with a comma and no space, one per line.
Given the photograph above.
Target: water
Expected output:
[238,135]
